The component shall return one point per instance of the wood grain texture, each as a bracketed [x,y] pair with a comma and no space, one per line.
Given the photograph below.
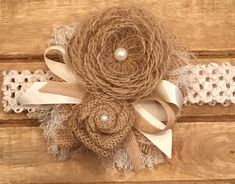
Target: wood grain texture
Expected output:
[202,151]
[202,25]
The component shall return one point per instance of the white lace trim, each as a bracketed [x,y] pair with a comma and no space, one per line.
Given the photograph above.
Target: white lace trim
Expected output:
[121,161]
[51,121]
[61,35]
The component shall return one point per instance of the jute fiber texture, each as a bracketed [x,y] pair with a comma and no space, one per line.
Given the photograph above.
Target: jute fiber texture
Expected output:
[102,137]
[93,43]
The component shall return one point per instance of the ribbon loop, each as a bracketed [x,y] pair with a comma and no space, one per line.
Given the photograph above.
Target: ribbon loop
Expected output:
[170,93]
[152,114]
[155,110]
[155,116]
[60,69]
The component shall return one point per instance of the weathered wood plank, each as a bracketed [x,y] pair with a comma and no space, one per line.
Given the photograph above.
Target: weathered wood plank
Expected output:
[189,113]
[201,151]
[202,25]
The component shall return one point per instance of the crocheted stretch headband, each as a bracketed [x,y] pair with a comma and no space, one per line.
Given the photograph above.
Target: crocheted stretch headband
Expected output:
[117,92]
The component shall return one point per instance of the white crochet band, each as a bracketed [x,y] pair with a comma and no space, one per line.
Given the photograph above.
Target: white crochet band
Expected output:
[205,84]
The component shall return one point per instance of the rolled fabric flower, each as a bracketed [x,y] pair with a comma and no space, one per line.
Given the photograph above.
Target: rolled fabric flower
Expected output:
[120,54]
[102,125]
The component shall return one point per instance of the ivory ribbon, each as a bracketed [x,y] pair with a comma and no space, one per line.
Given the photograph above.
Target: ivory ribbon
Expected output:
[60,69]
[132,150]
[151,112]
[34,95]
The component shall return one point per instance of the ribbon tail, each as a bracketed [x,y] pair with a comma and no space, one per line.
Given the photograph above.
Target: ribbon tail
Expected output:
[33,96]
[65,89]
[133,151]
[150,125]
[162,140]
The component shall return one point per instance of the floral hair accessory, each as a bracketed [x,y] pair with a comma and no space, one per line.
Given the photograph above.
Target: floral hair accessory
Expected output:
[114,96]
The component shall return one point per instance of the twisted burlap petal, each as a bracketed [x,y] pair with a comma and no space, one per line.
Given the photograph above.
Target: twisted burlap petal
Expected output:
[92,46]
[102,137]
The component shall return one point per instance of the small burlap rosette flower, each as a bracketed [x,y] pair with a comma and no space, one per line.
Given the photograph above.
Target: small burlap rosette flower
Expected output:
[113,67]
[102,125]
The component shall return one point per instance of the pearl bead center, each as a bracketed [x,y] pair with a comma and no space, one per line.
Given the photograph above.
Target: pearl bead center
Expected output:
[104,118]
[120,54]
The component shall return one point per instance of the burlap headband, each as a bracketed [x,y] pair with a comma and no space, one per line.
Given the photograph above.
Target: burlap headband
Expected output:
[114,87]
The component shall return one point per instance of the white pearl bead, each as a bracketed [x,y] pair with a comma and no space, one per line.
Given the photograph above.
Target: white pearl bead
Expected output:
[120,54]
[104,118]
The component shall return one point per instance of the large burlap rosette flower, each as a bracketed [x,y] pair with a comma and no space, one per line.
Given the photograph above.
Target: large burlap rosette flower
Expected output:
[92,46]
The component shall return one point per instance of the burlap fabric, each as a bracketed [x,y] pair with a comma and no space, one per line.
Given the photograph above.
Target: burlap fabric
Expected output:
[101,137]
[93,43]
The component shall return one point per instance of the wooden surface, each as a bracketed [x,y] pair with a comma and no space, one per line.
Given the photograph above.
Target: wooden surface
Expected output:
[198,155]
[204,138]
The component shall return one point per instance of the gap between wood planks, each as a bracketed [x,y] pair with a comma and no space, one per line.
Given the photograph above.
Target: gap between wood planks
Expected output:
[190,119]
[175,182]
[171,182]
[200,54]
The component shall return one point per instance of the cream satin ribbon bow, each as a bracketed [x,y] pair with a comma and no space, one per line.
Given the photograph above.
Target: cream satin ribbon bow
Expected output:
[151,112]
